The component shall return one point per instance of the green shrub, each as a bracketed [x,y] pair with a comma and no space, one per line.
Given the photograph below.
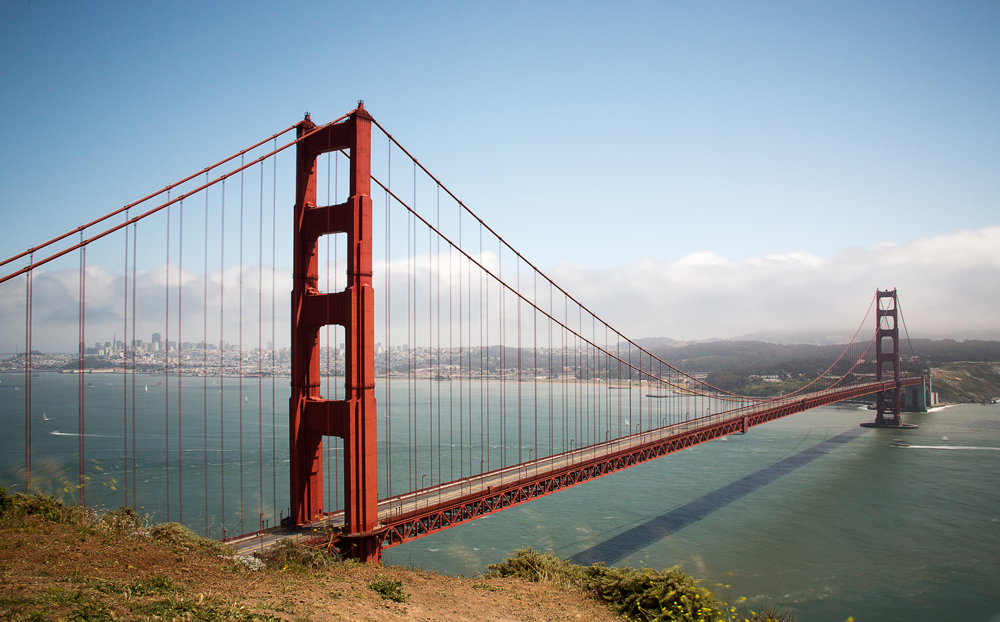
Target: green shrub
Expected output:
[638,594]
[389,589]
[125,521]
[90,612]
[201,609]
[178,535]
[153,585]
[5,500]
[48,508]
[767,613]
[288,554]
[529,564]
[655,595]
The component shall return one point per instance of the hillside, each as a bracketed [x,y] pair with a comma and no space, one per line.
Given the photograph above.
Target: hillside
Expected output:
[968,370]
[72,563]
[72,571]
[965,382]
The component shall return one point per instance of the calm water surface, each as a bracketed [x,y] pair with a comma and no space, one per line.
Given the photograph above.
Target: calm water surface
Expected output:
[866,530]
[832,528]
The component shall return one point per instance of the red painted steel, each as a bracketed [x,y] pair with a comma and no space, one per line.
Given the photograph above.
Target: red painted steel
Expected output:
[887,328]
[407,526]
[37,263]
[311,417]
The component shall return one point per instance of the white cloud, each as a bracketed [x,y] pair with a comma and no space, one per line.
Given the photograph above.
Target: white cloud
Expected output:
[947,283]
[56,312]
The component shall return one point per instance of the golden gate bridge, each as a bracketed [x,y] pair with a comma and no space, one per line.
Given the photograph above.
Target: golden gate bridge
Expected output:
[436,374]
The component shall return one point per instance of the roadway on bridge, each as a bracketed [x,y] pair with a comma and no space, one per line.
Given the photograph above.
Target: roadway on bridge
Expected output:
[395,509]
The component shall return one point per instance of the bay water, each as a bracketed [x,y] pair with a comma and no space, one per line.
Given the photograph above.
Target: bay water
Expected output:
[810,512]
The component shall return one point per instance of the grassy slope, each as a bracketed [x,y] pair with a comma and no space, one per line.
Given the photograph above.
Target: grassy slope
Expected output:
[70,563]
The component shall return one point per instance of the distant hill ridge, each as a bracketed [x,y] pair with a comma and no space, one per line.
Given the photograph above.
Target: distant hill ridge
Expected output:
[772,357]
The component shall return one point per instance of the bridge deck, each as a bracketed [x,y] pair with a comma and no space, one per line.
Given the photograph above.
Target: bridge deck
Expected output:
[419,513]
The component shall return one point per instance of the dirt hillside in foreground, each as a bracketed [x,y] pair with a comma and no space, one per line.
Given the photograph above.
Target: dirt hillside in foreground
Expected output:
[52,571]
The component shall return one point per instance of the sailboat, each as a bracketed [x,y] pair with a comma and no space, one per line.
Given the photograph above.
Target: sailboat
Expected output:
[146,388]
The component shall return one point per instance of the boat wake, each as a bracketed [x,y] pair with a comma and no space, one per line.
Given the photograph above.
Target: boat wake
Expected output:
[940,408]
[952,447]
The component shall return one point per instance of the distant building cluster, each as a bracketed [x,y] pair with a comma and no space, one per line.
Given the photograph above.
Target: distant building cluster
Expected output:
[398,361]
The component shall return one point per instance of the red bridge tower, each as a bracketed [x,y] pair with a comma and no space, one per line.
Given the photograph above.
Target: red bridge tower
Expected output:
[311,417]
[888,402]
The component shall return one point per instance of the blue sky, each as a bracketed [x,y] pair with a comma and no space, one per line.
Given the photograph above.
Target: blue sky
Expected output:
[635,143]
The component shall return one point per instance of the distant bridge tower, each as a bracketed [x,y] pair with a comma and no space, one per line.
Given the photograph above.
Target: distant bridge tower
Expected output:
[888,403]
[311,417]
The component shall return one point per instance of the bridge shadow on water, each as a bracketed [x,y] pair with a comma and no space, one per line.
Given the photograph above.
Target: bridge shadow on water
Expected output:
[639,537]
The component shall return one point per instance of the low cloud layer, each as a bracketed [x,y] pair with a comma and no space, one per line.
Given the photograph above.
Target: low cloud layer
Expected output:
[948,284]
[194,307]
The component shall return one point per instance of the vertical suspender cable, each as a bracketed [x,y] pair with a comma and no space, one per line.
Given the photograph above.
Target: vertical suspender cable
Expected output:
[482,368]
[461,366]
[180,346]
[503,358]
[222,359]
[166,364]
[83,311]
[135,239]
[451,364]
[437,306]
[329,345]
[337,387]
[134,362]
[273,348]
[125,370]
[430,343]
[260,356]
[517,301]
[552,376]
[28,300]
[410,431]
[239,366]
[486,355]
[204,361]
[388,336]
[631,389]
[468,289]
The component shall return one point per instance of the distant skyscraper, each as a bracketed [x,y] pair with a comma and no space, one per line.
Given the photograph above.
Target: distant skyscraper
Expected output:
[156,338]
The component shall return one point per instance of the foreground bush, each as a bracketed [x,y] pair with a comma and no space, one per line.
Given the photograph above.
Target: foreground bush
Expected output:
[180,536]
[644,595]
[287,554]
[45,507]
[637,594]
